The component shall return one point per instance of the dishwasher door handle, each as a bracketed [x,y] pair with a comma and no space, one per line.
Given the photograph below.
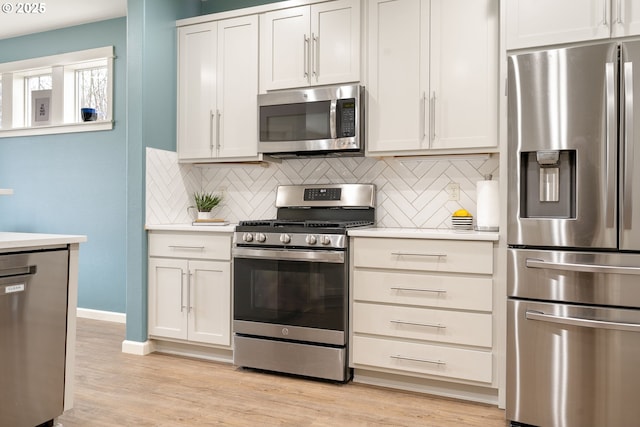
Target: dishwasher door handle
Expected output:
[579,321]
[584,268]
[18,272]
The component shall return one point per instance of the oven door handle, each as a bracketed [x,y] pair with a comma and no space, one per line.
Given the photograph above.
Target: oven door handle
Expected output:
[579,321]
[336,257]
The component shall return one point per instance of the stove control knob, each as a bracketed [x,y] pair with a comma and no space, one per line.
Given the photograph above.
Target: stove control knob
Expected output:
[247,237]
[285,238]
[311,239]
[260,237]
[325,240]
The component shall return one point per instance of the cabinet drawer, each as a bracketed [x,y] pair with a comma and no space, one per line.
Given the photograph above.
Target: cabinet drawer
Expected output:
[423,324]
[426,290]
[195,245]
[425,255]
[473,365]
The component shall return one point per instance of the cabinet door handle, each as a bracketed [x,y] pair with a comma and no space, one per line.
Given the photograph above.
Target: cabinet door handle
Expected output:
[426,325]
[400,253]
[182,306]
[315,51]
[218,116]
[433,117]
[619,14]
[211,116]
[425,115]
[305,57]
[415,359]
[200,248]
[189,291]
[435,291]
[605,22]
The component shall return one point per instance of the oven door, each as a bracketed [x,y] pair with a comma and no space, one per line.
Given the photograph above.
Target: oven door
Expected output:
[291,294]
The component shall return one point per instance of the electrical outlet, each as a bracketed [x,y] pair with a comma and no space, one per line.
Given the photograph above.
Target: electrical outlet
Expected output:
[453,189]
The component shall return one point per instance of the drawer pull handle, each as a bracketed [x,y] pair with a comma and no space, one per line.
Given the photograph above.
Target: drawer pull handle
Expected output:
[435,291]
[427,325]
[435,255]
[187,247]
[414,359]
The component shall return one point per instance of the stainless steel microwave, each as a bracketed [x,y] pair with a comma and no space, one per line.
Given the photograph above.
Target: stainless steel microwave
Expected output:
[319,121]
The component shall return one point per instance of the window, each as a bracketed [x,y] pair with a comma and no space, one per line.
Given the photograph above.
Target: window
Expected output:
[71,81]
[91,90]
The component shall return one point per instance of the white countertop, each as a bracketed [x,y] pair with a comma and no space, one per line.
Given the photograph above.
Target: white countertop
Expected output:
[411,233]
[425,233]
[10,240]
[229,228]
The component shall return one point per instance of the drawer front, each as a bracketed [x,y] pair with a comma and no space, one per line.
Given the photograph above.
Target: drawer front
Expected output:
[425,255]
[409,357]
[190,245]
[423,324]
[426,290]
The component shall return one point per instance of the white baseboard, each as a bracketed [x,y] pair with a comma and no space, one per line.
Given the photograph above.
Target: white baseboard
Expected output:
[138,348]
[109,316]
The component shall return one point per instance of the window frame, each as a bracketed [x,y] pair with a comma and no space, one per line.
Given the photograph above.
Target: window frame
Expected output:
[63,97]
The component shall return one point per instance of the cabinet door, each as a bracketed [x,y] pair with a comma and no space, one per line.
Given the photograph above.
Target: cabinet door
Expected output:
[196,91]
[237,74]
[335,42]
[398,75]
[210,302]
[625,17]
[544,22]
[284,48]
[168,298]
[464,74]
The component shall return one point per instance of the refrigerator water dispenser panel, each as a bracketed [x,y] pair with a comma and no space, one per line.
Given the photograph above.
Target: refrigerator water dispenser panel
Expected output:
[548,184]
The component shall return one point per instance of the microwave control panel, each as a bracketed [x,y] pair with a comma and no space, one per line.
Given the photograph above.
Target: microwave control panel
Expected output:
[347,116]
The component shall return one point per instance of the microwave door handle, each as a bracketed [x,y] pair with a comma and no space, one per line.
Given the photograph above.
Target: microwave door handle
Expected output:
[627,212]
[333,128]
[610,143]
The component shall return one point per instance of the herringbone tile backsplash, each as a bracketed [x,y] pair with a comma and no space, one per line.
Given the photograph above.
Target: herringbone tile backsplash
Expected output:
[410,192]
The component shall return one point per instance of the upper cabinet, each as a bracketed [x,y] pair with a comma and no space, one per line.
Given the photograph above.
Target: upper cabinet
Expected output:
[432,76]
[217,86]
[310,45]
[532,23]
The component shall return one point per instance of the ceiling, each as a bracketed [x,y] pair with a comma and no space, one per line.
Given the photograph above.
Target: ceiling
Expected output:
[57,14]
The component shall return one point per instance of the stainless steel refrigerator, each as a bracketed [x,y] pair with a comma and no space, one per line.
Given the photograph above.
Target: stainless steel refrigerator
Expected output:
[573,331]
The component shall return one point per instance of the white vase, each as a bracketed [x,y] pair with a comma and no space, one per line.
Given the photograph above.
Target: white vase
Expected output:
[204,215]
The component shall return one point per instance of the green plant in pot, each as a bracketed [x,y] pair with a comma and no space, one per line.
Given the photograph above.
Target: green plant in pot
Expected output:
[205,201]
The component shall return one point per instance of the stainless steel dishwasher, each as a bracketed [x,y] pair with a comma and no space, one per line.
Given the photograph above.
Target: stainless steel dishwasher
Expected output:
[33,330]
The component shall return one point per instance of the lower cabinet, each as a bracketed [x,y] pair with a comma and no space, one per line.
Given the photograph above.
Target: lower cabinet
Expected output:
[190,287]
[424,308]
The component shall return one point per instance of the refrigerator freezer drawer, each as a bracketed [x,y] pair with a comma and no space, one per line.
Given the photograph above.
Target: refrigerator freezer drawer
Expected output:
[572,365]
[574,277]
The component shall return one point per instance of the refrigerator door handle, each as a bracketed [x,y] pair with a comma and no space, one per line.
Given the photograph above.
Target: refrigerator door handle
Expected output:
[582,268]
[627,212]
[611,124]
[579,321]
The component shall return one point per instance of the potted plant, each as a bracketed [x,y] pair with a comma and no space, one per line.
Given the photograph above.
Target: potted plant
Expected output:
[205,201]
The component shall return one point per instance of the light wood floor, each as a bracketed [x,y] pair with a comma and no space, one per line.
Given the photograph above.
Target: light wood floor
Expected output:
[116,389]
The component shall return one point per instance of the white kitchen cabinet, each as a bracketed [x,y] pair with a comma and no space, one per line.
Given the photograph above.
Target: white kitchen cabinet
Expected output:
[217,90]
[432,76]
[423,308]
[189,291]
[532,23]
[317,44]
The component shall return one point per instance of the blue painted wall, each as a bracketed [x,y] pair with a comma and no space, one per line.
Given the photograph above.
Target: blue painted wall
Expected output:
[74,183]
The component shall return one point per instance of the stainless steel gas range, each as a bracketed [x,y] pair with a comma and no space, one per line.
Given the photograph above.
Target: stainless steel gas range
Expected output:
[291,281]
